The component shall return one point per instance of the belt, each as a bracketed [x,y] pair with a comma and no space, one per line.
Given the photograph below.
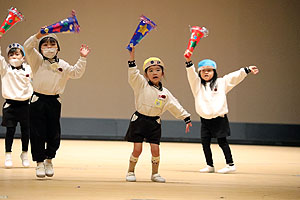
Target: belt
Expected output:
[145,116]
[11,101]
[45,95]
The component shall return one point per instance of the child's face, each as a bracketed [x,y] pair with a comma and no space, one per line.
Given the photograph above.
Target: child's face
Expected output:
[15,55]
[207,74]
[154,74]
[49,49]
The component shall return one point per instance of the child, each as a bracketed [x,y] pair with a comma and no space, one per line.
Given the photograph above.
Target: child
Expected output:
[151,101]
[210,100]
[50,77]
[16,90]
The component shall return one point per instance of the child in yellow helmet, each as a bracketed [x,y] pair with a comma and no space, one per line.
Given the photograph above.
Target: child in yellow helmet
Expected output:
[151,101]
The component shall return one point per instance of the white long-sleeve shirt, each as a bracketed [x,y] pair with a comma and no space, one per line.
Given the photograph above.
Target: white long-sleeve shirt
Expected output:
[151,101]
[213,103]
[16,83]
[51,79]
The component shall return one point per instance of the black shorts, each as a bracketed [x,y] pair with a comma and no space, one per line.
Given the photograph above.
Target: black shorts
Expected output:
[215,128]
[14,112]
[144,128]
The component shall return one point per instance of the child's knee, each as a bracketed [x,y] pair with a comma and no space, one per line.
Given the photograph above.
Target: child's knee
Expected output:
[137,152]
[155,151]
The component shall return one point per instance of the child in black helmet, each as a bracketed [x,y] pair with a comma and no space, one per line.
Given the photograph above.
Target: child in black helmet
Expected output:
[50,77]
[16,90]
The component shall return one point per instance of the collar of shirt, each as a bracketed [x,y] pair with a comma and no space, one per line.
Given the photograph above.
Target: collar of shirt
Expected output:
[159,87]
[52,60]
[17,68]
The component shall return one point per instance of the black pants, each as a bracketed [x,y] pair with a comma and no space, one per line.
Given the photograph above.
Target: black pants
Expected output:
[206,141]
[13,112]
[44,126]
[10,132]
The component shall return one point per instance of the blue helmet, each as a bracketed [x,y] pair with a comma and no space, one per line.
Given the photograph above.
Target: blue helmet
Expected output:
[15,45]
[207,63]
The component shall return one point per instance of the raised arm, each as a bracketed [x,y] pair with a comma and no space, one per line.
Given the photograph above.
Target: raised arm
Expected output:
[193,77]
[135,79]
[33,57]
[234,78]
[3,64]
[77,71]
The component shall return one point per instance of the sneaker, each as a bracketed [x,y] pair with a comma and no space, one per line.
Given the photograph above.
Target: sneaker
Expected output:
[130,177]
[157,178]
[24,158]
[49,168]
[40,170]
[207,169]
[8,160]
[227,169]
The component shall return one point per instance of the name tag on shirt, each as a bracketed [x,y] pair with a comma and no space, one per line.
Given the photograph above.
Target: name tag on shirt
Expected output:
[158,103]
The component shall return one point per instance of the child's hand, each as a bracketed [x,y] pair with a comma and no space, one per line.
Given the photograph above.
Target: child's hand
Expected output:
[39,34]
[187,127]
[254,69]
[84,50]
[131,53]
[187,59]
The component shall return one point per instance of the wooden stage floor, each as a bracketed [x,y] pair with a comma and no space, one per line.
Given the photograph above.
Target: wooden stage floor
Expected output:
[96,170]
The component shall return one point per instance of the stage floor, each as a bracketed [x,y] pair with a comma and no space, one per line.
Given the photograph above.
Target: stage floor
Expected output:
[96,170]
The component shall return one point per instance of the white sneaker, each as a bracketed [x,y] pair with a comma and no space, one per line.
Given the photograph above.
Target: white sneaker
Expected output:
[48,168]
[227,169]
[8,160]
[207,169]
[157,178]
[130,177]
[24,158]
[40,170]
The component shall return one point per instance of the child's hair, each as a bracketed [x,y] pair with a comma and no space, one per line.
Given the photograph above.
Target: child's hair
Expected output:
[46,39]
[14,49]
[162,69]
[212,80]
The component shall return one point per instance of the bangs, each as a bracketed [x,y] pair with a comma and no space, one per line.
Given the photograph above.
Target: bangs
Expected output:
[49,39]
[13,50]
[162,68]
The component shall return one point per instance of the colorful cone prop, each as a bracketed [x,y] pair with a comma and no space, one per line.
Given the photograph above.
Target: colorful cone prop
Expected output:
[144,27]
[14,16]
[197,34]
[65,26]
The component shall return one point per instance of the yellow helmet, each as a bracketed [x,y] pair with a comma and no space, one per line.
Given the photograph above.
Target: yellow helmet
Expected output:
[152,61]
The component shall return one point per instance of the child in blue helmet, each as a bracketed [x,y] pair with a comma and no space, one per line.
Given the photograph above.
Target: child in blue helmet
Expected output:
[210,92]
[16,90]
